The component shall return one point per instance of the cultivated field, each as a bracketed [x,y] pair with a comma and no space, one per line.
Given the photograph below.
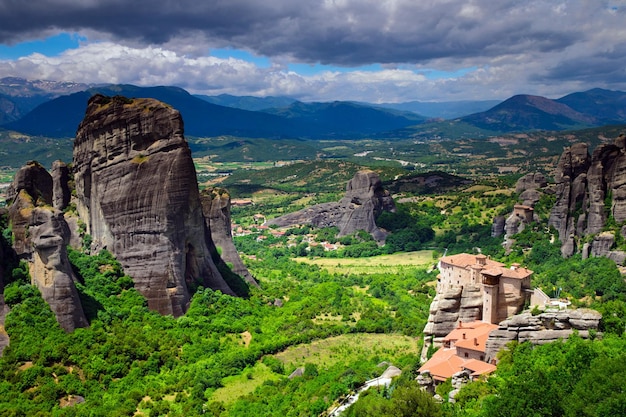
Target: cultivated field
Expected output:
[375,264]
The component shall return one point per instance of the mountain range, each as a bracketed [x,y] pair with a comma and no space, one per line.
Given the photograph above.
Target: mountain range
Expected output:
[54,110]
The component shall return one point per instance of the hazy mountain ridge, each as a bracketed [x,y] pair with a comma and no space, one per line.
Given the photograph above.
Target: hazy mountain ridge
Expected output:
[60,117]
[41,108]
[526,112]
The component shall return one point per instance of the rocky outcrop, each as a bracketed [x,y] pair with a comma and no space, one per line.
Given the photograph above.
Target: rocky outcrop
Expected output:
[216,211]
[589,189]
[545,327]
[497,227]
[40,237]
[61,193]
[532,181]
[137,193]
[35,180]
[447,309]
[363,201]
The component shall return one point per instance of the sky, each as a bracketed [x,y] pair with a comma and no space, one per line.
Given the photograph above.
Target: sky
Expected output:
[322,50]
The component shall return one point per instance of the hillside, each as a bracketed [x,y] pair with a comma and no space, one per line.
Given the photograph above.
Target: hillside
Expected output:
[443,109]
[525,112]
[605,105]
[248,102]
[344,119]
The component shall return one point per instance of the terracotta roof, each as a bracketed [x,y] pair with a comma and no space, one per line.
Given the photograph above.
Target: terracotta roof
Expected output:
[479,367]
[493,268]
[474,329]
[465,260]
[445,362]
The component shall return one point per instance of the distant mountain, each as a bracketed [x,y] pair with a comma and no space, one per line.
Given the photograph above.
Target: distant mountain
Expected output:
[18,96]
[605,105]
[248,102]
[342,119]
[60,117]
[443,109]
[525,112]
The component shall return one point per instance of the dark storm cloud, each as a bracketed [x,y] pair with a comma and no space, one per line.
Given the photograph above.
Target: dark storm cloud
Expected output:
[341,32]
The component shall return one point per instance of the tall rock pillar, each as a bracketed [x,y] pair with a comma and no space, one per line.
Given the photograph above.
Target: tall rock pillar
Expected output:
[137,193]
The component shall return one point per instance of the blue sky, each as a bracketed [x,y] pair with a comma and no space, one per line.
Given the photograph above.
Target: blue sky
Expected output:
[366,50]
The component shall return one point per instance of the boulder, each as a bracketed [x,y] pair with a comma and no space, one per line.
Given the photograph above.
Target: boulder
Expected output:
[137,193]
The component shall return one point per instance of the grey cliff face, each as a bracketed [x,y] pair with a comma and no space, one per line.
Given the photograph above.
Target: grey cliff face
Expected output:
[363,201]
[589,188]
[463,304]
[216,211]
[61,193]
[41,236]
[138,195]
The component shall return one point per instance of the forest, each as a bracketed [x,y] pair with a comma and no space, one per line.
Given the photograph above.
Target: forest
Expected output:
[234,356]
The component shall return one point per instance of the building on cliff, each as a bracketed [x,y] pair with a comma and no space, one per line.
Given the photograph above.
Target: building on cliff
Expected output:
[504,290]
[463,350]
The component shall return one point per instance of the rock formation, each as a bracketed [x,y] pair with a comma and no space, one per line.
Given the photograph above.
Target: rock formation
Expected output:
[532,181]
[137,193]
[61,193]
[545,327]
[589,189]
[448,308]
[41,236]
[4,309]
[364,200]
[530,188]
[216,211]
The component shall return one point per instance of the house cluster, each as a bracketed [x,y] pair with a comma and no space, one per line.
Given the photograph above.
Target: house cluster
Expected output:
[463,350]
[504,291]
[263,231]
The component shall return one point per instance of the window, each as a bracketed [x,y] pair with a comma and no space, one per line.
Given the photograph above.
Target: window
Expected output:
[466,354]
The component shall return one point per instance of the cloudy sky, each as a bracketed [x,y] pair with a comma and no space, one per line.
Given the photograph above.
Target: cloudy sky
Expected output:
[369,50]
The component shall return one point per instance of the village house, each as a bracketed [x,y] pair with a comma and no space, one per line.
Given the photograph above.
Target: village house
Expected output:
[463,350]
[504,290]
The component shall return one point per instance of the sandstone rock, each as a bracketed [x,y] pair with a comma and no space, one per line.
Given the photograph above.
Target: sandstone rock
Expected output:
[61,193]
[617,256]
[363,201]
[547,327]
[447,309]
[497,228]
[35,180]
[588,189]
[513,225]
[602,244]
[216,211]
[50,268]
[530,197]
[41,236]
[137,193]
[530,181]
